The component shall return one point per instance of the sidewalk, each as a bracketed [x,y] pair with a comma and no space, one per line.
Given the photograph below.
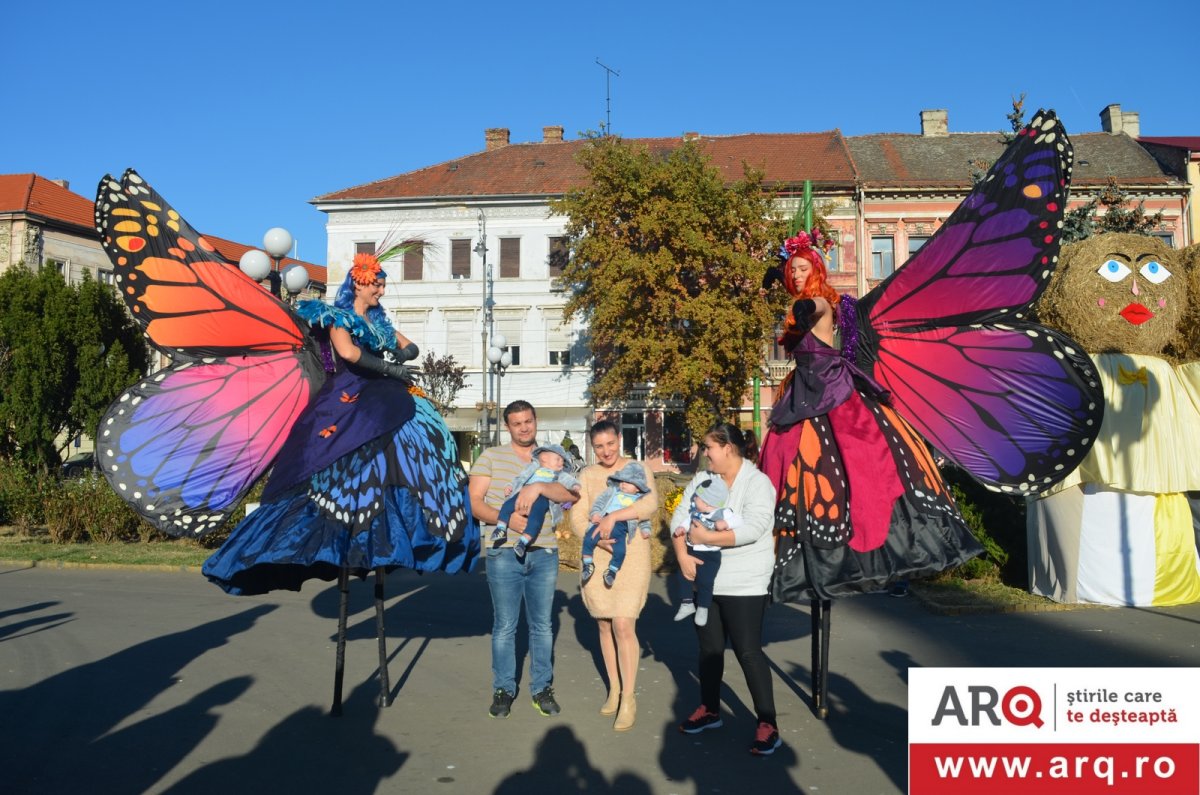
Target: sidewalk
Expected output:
[121,681]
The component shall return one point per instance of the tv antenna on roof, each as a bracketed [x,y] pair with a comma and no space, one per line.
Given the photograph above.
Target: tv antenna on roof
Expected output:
[608,73]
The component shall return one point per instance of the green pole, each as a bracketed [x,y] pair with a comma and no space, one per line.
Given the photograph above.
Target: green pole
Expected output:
[808,205]
[757,408]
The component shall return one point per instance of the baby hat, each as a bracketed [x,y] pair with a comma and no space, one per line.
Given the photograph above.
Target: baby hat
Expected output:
[713,491]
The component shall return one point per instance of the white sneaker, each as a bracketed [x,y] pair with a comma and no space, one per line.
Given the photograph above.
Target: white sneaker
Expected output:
[701,616]
[685,610]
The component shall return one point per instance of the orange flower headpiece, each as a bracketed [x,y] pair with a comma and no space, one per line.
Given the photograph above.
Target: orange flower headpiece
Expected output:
[365,269]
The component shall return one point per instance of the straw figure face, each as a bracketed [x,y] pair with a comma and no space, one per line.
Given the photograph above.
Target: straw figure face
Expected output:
[1118,293]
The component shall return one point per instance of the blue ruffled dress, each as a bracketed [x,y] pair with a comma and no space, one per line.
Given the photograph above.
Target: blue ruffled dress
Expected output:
[368,477]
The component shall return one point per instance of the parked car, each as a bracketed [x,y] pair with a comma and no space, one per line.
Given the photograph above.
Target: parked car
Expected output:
[78,465]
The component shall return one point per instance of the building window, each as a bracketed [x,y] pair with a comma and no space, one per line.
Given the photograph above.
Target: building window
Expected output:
[1166,237]
[883,257]
[833,258]
[62,266]
[677,439]
[558,344]
[462,338]
[364,248]
[633,435]
[414,260]
[511,323]
[559,253]
[510,258]
[915,242]
[460,259]
[106,277]
[411,323]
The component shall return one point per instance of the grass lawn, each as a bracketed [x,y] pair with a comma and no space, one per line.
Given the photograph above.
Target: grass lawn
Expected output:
[171,554]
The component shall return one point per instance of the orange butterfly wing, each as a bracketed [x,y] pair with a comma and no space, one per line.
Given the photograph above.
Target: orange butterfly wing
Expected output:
[190,302]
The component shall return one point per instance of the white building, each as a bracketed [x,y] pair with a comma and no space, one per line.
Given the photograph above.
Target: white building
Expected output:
[437,297]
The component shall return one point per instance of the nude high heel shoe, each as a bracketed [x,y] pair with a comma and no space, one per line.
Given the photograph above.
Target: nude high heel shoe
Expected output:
[627,714]
[610,706]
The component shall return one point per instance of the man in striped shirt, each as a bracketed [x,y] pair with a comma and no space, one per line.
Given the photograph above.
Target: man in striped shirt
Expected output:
[510,580]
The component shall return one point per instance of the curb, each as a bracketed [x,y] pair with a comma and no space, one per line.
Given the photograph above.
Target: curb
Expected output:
[67,564]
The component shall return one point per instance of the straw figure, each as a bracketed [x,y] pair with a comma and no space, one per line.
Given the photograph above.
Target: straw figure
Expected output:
[1118,530]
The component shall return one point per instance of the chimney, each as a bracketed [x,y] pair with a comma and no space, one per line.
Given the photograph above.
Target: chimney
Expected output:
[552,135]
[935,123]
[62,183]
[691,136]
[1113,121]
[495,138]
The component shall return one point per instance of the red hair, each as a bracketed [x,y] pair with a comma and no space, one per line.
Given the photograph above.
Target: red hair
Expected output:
[817,282]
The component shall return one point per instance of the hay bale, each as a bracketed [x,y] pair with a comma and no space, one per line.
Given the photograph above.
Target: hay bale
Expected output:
[1187,347]
[1129,313]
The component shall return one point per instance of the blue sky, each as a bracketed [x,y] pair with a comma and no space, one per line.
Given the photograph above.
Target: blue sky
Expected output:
[240,112]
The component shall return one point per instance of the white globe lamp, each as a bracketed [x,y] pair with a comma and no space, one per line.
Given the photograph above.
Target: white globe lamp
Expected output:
[277,241]
[295,278]
[255,264]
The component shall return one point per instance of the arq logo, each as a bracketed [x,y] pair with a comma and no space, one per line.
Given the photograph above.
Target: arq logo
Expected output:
[1021,706]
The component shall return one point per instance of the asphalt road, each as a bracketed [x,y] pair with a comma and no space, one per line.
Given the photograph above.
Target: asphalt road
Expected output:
[118,681]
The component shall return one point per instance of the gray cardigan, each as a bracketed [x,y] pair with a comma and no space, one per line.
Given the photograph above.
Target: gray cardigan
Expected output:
[746,567]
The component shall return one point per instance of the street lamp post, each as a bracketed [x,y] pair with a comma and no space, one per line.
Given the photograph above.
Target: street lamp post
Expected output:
[260,265]
[500,358]
[485,407]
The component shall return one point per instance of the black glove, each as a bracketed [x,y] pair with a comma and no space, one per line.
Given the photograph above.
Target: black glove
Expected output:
[802,311]
[773,275]
[408,352]
[386,367]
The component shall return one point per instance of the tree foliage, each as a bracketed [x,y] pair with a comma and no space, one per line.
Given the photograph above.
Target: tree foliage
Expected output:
[66,352]
[665,268]
[1016,121]
[1118,216]
[443,378]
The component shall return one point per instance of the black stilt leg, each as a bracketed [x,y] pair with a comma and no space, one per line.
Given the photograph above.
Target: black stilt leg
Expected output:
[820,610]
[339,669]
[385,686]
[826,613]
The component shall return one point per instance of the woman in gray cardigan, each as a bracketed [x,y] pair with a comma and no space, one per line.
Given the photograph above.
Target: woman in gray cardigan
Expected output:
[740,592]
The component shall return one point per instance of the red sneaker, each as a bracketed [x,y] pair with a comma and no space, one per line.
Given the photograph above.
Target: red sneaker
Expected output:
[766,739]
[700,720]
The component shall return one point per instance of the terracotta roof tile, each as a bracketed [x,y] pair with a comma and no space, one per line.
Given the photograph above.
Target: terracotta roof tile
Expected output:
[35,195]
[540,169]
[232,252]
[1191,142]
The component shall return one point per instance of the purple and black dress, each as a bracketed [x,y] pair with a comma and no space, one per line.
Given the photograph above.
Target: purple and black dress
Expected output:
[368,477]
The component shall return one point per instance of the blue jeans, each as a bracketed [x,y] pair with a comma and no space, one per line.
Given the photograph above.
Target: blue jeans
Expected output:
[619,539]
[511,583]
[536,518]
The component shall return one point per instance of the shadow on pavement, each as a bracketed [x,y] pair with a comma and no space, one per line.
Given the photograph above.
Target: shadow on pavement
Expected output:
[308,752]
[59,732]
[560,764]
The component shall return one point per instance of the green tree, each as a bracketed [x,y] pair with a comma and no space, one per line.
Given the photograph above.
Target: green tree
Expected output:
[1119,216]
[443,378]
[66,352]
[1016,121]
[665,268]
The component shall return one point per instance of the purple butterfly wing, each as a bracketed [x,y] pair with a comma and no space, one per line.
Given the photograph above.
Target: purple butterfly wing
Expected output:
[184,444]
[1018,408]
[1015,404]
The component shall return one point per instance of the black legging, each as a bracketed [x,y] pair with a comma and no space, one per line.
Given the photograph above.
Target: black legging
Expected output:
[740,619]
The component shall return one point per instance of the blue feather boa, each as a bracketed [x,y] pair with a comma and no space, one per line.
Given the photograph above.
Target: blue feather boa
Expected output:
[319,313]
